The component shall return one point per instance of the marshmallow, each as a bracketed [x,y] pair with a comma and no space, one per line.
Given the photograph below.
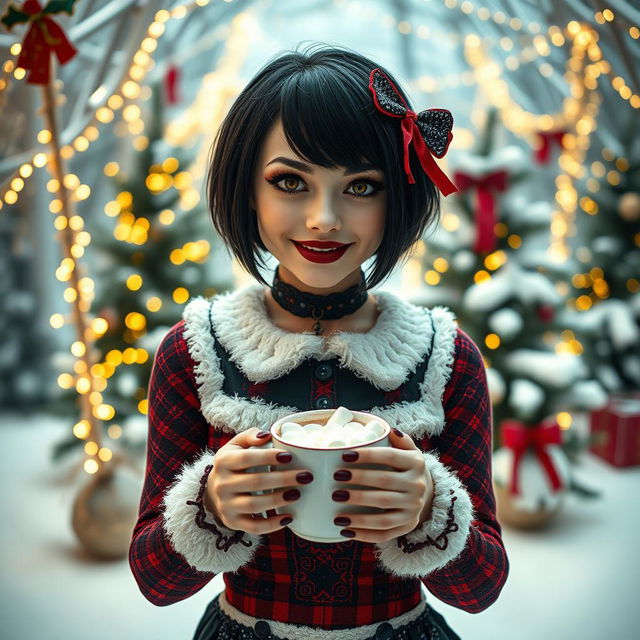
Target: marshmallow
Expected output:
[341,430]
[376,426]
[340,416]
[313,427]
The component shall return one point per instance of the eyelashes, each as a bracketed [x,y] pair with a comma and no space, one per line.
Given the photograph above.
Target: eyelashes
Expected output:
[376,184]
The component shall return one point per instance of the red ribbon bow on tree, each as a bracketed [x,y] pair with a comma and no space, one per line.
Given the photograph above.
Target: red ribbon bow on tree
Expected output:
[520,437]
[546,138]
[429,130]
[43,37]
[485,209]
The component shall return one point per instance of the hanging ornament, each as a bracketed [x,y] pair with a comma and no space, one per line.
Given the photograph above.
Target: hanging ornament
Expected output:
[485,210]
[171,82]
[532,473]
[545,141]
[43,38]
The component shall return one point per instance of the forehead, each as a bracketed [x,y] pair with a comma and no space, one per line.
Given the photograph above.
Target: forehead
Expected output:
[275,143]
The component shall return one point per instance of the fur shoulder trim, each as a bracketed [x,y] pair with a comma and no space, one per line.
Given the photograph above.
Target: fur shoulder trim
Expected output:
[384,356]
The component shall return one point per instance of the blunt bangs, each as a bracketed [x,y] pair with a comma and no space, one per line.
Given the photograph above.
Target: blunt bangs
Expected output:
[328,122]
[329,119]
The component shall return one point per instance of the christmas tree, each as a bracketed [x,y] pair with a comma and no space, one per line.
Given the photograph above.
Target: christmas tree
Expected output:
[151,254]
[606,284]
[488,263]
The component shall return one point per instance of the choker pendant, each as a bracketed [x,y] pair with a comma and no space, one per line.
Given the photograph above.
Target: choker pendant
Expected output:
[316,325]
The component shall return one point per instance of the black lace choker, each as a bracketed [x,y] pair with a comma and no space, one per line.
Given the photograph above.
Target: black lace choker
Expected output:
[308,305]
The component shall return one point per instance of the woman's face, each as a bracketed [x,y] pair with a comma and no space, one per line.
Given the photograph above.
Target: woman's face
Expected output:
[299,202]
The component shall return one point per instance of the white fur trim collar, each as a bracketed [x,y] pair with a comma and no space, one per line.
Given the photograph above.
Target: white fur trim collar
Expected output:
[384,356]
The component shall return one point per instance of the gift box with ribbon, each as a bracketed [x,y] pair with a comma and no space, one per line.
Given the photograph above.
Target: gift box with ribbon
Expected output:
[615,430]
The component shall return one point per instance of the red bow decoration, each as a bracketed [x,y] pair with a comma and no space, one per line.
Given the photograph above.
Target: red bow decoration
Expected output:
[43,37]
[519,437]
[485,210]
[546,138]
[429,130]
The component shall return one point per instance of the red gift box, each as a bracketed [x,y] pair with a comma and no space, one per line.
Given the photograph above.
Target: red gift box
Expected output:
[615,430]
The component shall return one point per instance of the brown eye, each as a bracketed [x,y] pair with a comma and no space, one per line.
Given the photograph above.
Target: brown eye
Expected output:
[360,188]
[291,183]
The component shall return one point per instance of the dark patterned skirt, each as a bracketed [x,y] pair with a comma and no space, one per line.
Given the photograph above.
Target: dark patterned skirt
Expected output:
[215,624]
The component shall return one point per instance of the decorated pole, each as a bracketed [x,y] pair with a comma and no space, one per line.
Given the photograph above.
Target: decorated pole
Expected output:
[44,38]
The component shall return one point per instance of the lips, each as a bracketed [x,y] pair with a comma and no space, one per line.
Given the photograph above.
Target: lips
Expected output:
[322,256]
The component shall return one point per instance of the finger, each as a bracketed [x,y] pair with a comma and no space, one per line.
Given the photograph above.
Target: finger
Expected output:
[389,481]
[256,524]
[400,440]
[375,521]
[249,438]
[394,458]
[250,482]
[370,535]
[378,499]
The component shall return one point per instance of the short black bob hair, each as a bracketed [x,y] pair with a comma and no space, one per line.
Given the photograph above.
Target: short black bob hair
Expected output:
[323,99]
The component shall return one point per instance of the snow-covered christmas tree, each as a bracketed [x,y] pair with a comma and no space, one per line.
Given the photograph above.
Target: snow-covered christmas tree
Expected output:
[606,284]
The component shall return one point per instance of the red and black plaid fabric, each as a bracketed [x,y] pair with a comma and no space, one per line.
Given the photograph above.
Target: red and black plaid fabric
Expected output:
[294,580]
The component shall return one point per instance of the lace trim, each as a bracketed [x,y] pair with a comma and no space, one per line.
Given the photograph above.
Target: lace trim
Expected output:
[223,542]
[441,542]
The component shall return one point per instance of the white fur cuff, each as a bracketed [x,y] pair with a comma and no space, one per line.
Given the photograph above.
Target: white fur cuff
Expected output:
[194,533]
[440,539]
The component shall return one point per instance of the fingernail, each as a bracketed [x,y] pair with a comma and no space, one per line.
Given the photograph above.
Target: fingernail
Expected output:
[350,456]
[291,494]
[284,456]
[398,432]
[340,496]
[341,521]
[347,533]
[286,520]
[263,434]
[342,475]
[304,477]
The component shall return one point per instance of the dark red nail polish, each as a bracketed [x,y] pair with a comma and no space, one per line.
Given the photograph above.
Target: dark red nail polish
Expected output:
[304,477]
[263,434]
[350,456]
[342,475]
[284,456]
[291,494]
[286,520]
[398,433]
[341,521]
[340,496]
[347,533]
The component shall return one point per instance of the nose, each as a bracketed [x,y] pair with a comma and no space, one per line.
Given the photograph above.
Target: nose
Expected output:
[323,214]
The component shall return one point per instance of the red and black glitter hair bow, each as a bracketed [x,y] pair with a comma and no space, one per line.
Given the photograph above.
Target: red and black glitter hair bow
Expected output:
[429,130]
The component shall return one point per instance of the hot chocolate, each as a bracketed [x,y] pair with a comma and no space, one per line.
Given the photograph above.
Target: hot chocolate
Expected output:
[340,430]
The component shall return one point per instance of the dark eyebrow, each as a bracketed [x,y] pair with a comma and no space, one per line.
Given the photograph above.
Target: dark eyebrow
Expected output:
[300,166]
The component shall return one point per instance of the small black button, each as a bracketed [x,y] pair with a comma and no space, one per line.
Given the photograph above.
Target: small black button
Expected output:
[322,402]
[384,631]
[323,371]
[262,629]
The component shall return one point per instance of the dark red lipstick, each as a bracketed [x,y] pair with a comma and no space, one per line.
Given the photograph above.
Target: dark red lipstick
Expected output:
[336,250]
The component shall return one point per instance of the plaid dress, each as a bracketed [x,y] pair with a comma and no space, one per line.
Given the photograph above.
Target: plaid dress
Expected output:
[224,368]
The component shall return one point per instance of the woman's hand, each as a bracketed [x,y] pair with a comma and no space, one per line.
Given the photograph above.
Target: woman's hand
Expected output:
[406,493]
[228,491]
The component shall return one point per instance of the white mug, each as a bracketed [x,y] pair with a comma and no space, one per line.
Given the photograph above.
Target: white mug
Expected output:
[314,512]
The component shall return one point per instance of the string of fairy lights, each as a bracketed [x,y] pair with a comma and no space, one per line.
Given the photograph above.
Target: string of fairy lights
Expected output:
[131,89]
[535,43]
